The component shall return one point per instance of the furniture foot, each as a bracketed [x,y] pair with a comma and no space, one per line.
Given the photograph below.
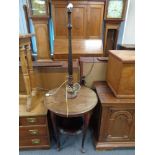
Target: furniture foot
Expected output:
[83,150]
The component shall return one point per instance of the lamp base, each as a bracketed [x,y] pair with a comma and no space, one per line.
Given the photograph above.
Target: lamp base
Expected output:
[73,91]
[71,95]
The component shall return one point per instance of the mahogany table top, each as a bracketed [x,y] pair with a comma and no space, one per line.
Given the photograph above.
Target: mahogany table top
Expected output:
[85,101]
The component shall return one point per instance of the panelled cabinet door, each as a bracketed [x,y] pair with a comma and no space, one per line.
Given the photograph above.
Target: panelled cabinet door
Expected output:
[119,126]
[59,15]
[79,21]
[94,21]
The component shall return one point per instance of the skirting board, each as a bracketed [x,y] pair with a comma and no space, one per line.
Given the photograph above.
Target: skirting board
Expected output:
[112,145]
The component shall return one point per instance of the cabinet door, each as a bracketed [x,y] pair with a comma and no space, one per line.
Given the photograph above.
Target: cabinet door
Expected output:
[60,19]
[94,20]
[119,125]
[59,15]
[79,21]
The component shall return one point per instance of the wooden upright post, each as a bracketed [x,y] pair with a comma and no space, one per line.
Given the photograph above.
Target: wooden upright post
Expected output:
[30,68]
[25,76]
[27,68]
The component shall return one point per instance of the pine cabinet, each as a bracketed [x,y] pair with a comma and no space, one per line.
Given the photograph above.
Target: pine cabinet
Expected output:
[121,73]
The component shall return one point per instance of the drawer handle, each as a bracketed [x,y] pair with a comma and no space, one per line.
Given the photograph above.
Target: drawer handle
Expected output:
[31,120]
[35,141]
[34,132]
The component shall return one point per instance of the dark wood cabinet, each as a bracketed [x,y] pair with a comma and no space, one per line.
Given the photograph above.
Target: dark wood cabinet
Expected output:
[87,18]
[114,119]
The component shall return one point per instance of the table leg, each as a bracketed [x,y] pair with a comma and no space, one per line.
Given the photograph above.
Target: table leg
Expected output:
[86,119]
[56,132]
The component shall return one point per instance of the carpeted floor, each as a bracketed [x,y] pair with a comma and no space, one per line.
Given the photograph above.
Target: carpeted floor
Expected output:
[70,145]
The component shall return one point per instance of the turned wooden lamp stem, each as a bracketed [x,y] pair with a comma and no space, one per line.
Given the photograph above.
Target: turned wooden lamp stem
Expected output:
[70,63]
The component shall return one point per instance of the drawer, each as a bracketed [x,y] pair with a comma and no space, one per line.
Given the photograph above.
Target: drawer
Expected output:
[34,142]
[33,131]
[36,120]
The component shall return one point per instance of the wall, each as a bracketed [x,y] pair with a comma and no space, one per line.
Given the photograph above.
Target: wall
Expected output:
[22,22]
[127,28]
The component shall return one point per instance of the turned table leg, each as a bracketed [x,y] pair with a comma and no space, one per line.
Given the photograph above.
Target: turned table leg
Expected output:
[56,132]
[86,119]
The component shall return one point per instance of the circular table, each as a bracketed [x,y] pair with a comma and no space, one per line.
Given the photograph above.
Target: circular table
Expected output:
[82,106]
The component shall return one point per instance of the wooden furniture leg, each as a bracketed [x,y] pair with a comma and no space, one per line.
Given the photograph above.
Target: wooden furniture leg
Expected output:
[26,77]
[86,119]
[56,132]
[30,69]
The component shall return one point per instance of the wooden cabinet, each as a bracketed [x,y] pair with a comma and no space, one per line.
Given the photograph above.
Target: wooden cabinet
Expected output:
[114,123]
[87,19]
[121,73]
[33,132]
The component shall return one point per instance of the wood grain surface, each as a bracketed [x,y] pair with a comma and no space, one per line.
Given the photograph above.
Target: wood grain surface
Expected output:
[121,73]
[124,55]
[80,47]
[85,101]
[38,107]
